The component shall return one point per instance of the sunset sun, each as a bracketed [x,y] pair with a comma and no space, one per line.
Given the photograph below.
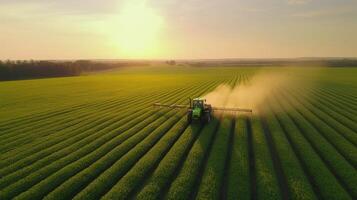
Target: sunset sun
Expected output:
[138,30]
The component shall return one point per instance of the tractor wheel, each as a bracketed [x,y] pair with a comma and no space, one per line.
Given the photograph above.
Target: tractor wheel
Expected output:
[208,117]
[205,118]
[189,117]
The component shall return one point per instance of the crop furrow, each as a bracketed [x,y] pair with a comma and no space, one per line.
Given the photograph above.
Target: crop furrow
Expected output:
[64,111]
[83,142]
[296,180]
[266,181]
[238,185]
[324,182]
[337,165]
[346,149]
[184,184]
[161,177]
[330,120]
[347,118]
[66,135]
[132,179]
[148,102]
[212,177]
[281,177]
[342,102]
[43,131]
[58,178]
[330,110]
[64,119]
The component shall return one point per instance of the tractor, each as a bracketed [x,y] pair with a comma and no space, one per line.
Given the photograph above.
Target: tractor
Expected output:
[199,110]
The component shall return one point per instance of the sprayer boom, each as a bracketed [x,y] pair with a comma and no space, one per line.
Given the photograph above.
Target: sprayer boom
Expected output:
[213,108]
[198,110]
[169,105]
[232,109]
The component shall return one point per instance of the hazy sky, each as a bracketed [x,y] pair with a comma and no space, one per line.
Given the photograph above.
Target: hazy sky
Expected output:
[84,29]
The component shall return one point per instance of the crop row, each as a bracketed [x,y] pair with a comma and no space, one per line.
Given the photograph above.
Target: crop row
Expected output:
[297,182]
[45,130]
[162,175]
[341,97]
[53,181]
[340,103]
[78,180]
[339,111]
[327,126]
[71,150]
[347,98]
[68,158]
[212,178]
[62,123]
[266,179]
[47,111]
[296,129]
[19,121]
[143,91]
[76,117]
[64,135]
[302,146]
[182,187]
[47,166]
[338,122]
[65,139]
[109,132]
[14,128]
[321,141]
[239,181]
[107,177]
[124,187]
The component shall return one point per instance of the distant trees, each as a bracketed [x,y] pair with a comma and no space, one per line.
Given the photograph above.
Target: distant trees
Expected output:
[298,62]
[14,70]
[171,62]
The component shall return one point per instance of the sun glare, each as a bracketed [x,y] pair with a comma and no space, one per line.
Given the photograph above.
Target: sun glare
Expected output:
[138,31]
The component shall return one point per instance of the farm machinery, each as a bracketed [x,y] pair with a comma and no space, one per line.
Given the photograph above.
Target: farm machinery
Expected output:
[199,110]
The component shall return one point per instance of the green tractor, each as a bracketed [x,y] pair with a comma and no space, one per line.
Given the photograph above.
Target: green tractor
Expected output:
[199,110]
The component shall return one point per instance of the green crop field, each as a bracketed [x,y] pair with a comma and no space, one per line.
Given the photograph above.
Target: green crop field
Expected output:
[98,136]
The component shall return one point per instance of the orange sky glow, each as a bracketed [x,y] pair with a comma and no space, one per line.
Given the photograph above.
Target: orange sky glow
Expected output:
[163,29]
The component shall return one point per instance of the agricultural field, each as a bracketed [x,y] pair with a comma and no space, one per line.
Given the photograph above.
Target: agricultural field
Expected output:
[98,135]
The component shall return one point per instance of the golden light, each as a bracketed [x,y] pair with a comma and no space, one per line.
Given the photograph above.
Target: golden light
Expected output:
[138,31]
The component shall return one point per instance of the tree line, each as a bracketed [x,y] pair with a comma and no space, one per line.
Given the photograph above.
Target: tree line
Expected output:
[332,62]
[15,70]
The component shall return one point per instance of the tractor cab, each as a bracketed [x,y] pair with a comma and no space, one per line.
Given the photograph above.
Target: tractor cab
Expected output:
[198,103]
[197,107]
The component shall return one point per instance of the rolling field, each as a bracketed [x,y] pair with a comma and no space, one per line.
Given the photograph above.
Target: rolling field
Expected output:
[98,136]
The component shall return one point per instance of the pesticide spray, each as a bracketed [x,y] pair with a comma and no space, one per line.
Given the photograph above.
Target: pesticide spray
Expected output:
[259,89]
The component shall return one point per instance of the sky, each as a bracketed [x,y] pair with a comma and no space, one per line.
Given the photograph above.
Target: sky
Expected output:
[176,29]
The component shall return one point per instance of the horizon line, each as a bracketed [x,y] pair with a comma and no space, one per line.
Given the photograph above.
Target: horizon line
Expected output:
[188,59]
